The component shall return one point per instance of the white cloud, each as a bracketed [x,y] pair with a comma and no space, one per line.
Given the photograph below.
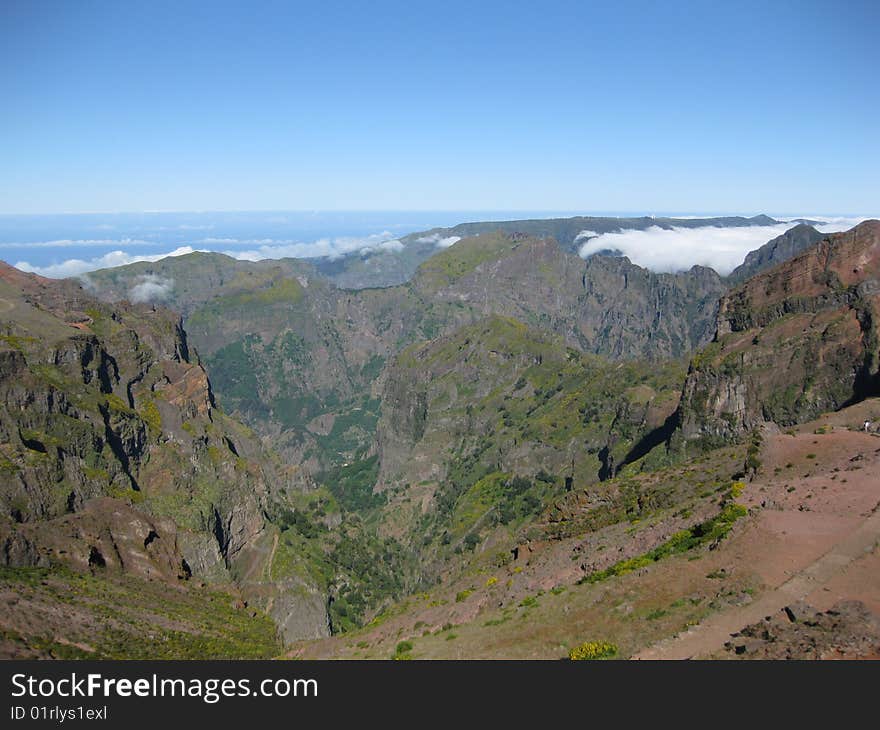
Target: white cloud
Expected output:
[228,241]
[677,249]
[75,267]
[660,250]
[392,246]
[333,248]
[151,288]
[439,240]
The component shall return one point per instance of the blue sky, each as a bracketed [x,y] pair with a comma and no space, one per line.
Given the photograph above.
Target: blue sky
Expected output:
[689,107]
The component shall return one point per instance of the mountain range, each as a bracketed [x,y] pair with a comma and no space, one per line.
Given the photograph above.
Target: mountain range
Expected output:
[429,435]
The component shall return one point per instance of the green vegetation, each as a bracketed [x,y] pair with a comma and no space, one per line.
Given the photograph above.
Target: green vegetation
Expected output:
[376,570]
[454,262]
[240,369]
[753,461]
[119,617]
[402,651]
[704,533]
[352,484]
[545,398]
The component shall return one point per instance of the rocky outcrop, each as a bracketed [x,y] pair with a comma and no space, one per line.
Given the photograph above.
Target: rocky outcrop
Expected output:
[113,455]
[774,252]
[847,630]
[107,534]
[791,343]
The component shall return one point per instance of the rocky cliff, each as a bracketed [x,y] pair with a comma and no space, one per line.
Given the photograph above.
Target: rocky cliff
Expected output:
[776,251]
[791,343]
[114,456]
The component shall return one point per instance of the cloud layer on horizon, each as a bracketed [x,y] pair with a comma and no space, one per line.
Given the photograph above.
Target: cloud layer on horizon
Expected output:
[678,249]
[657,249]
[332,248]
[257,250]
[76,267]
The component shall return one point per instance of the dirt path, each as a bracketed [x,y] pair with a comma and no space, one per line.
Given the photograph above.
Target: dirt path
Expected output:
[712,633]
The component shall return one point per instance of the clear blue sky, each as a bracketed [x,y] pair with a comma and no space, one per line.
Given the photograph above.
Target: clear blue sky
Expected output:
[717,107]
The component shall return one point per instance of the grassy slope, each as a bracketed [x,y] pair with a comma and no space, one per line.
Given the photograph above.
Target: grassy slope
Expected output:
[63,614]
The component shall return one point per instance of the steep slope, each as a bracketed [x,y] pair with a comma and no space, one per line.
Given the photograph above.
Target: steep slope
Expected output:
[302,361]
[677,563]
[774,252]
[792,342]
[605,305]
[191,280]
[115,457]
[481,427]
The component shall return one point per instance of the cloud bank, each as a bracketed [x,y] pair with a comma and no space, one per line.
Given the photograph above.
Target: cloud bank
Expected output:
[237,248]
[75,267]
[657,249]
[333,248]
[678,249]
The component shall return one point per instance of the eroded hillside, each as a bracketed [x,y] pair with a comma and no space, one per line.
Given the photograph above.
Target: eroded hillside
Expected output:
[116,459]
[791,343]
[506,424]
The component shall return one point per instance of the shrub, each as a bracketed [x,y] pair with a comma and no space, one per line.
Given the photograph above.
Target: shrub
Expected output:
[593,650]
[403,647]
[707,532]
[462,595]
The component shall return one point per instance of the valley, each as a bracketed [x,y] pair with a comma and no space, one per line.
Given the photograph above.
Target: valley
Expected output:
[492,448]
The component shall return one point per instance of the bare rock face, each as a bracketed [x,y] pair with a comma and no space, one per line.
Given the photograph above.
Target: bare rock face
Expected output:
[113,455]
[605,305]
[106,534]
[792,342]
[774,252]
[300,611]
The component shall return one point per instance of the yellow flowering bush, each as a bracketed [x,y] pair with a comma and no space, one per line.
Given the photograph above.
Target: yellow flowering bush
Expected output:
[593,650]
